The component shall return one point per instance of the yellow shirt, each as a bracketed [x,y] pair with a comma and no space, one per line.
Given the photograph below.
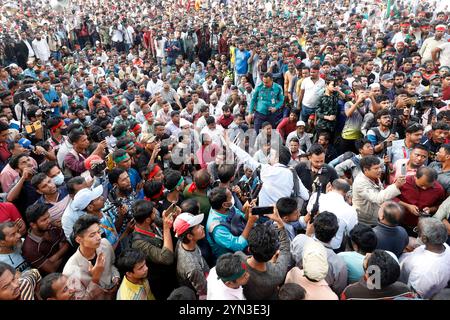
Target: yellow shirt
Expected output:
[232,55]
[131,291]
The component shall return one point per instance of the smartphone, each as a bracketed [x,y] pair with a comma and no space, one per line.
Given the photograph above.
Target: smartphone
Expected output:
[424,214]
[171,208]
[260,211]
[387,144]
[403,169]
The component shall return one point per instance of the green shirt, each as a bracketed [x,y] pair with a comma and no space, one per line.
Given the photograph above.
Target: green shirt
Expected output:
[265,98]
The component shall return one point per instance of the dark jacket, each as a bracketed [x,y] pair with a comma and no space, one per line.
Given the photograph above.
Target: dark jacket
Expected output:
[394,239]
[304,172]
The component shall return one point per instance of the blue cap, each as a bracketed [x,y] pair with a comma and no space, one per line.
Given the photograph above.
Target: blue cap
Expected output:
[25,143]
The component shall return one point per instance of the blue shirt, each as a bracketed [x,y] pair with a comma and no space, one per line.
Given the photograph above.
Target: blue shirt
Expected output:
[241,61]
[109,229]
[134,177]
[51,96]
[220,237]
[354,262]
[30,73]
[398,150]
[81,101]
[88,93]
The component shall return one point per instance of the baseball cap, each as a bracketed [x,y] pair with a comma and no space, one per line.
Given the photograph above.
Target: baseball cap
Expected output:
[92,161]
[300,123]
[185,221]
[315,261]
[387,76]
[148,138]
[25,143]
[435,76]
[85,196]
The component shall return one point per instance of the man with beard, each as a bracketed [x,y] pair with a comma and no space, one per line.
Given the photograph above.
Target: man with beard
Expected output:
[432,43]
[439,133]
[45,247]
[123,160]
[102,115]
[120,199]
[378,135]
[40,47]
[22,193]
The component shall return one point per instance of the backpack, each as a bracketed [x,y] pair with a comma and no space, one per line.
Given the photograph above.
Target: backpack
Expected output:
[235,222]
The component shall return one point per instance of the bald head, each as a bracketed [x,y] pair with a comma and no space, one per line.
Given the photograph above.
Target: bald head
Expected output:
[202,179]
[341,186]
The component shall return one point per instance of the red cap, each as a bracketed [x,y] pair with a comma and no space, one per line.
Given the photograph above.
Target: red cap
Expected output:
[92,161]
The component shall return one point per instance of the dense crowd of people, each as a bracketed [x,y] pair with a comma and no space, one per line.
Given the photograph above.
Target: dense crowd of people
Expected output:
[224,150]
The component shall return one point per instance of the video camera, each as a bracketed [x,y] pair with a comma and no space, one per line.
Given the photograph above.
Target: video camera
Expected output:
[28,95]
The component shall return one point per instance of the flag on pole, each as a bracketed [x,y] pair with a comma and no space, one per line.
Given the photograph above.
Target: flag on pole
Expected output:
[388,8]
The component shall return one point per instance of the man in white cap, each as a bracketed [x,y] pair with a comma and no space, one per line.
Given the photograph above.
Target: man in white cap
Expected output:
[303,137]
[192,268]
[315,270]
[79,207]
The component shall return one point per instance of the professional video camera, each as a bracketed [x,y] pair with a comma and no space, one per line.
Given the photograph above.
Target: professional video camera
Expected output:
[28,96]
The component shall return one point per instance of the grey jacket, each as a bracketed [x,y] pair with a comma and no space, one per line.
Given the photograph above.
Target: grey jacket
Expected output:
[368,196]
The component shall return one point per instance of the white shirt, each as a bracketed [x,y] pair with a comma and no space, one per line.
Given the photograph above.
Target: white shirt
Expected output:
[116,34]
[214,134]
[425,271]
[335,203]
[153,87]
[217,290]
[129,32]
[41,49]
[277,179]
[313,91]
[427,47]
[216,111]
[201,123]
[398,37]
[444,54]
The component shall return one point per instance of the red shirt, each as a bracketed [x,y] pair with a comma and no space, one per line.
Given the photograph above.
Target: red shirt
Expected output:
[446,94]
[4,153]
[9,212]
[225,122]
[285,127]
[421,198]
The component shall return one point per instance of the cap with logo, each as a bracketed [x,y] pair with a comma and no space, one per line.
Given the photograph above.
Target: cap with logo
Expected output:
[185,221]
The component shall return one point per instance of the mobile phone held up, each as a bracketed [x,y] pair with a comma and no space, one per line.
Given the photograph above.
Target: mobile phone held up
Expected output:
[260,211]
[403,169]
